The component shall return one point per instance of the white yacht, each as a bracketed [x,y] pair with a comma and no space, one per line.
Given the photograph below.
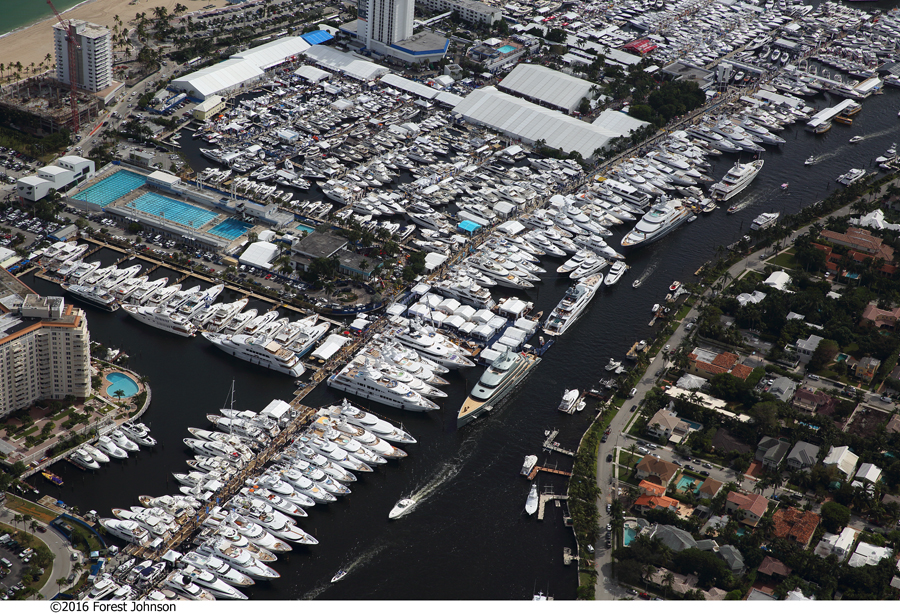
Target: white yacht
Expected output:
[84,459]
[258,350]
[163,318]
[217,567]
[572,305]
[662,218]
[615,272]
[309,334]
[851,176]
[735,180]
[500,274]
[370,422]
[184,587]
[103,588]
[434,346]
[224,313]
[505,374]
[93,295]
[466,290]
[571,401]
[128,530]
[402,507]
[107,446]
[95,453]
[216,586]
[372,384]
[146,290]
[531,503]
[765,220]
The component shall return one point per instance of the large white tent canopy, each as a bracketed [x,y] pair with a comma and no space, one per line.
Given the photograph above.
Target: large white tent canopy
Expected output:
[530,122]
[345,63]
[546,85]
[407,85]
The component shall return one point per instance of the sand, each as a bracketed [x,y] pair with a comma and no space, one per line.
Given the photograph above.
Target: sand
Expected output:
[32,44]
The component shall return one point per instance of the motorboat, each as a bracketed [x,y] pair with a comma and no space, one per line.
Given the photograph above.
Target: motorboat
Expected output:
[216,586]
[402,507]
[123,442]
[531,503]
[505,374]
[370,422]
[528,465]
[95,453]
[735,180]
[615,272]
[573,303]
[218,568]
[84,459]
[107,446]
[139,433]
[571,402]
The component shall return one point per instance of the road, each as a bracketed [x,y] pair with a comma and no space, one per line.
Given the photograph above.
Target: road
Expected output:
[59,547]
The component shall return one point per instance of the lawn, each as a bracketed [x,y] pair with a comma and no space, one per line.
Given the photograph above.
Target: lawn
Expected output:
[25,507]
[683,311]
[785,260]
[626,458]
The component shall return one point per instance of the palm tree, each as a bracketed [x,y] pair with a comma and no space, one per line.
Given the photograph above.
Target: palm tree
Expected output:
[118,394]
[34,526]
[668,581]
[60,584]
[27,518]
[16,519]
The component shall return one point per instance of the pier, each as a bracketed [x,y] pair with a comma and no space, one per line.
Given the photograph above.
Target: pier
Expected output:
[544,499]
[554,471]
[550,444]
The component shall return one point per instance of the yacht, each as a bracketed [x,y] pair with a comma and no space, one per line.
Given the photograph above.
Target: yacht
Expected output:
[502,377]
[107,446]
[572,305]
[851,176]
[308,335]
[402,507]
[224,313]
[571,401]
[82,271]
[139,433]
[103,588]
[735,180]
[530,463]
[216,586]
[84,459]
[370,422]
[95,453]
[764,221]
[372,384]
[466,290]
[434,346]
[258,350]
[238,322]
[531,503]
[615,272]
[146,290]
[662,218]
[500,274]
[93,295]
[128,530]
[184,587]
[163,318]
[218,567]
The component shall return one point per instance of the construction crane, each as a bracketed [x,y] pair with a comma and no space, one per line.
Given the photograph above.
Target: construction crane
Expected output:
[72,44]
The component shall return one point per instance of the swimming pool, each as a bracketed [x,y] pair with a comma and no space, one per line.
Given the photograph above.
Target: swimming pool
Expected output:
[119,381]
[112,188]
[506,49]
[173,210]
[628,536]
[307,229]
[231,229]
[686,483]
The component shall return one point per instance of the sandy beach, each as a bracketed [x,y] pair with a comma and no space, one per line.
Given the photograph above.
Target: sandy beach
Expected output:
[33,43]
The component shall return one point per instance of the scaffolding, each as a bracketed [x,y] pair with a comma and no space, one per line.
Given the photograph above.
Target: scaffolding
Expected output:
[42,105]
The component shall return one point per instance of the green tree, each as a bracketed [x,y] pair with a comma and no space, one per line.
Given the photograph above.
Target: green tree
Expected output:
[834,516]
[826,350]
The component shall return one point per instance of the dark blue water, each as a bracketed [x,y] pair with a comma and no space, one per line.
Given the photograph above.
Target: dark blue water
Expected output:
[470,538]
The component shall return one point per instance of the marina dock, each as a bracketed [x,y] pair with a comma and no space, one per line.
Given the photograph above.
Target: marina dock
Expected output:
[554,471]
[544,499]
[550,444]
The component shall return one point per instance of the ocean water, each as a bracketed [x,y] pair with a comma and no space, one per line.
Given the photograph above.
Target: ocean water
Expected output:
[17,14]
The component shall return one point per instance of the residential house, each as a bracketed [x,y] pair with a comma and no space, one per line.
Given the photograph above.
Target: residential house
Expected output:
[866,368]
[732,558]
[648,488]
[674,538]
[795,525]
[759,595]
[812,400]
[893,424]
[783,388]
[707,364]
[773,568]
[778,280]
[753,505]
[665,423]
[868,473]
[646,503]
[880,318]
[838,544]
[682,584]
[859,240]
[805,348]
[843,459]
[771,451]
[656,470]
[868,555]
[803,455]
[709,489]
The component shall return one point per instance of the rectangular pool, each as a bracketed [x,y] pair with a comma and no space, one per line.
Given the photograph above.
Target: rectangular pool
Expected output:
[303,228]
[112,188]
[173,210]
[628,536]
[506,49]
[687,483]
[231,229]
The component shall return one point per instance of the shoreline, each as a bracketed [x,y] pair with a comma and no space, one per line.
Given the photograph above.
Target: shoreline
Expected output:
[32,42]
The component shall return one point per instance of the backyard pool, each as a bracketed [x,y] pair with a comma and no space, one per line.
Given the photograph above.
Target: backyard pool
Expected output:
[302,228]
[687,483]
[628,536]
[119,381]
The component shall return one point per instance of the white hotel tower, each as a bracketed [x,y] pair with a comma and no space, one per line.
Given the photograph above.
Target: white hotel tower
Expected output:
[94,65]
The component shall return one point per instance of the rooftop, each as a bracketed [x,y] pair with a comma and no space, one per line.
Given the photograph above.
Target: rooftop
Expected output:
[795,524]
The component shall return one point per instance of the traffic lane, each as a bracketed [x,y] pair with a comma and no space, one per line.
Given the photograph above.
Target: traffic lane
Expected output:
[715,471]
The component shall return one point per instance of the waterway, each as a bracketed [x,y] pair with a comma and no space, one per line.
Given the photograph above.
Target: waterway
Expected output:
[20,14]
[470,538]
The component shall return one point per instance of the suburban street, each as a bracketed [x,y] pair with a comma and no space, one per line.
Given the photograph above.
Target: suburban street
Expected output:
[59,547]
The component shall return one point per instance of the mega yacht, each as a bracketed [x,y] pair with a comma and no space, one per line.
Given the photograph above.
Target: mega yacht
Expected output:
[370,422]
[93,295]
[615,272]
[128,530]
[662,218]
[309,334]
[258,350]
[163,318]
[764,221]
[372,384]
[146,290]
[466,290]
[503,376]
[224,313]
[735,180]
[500,274]
[434,346]
[217,567]
[216,586]
[572,305]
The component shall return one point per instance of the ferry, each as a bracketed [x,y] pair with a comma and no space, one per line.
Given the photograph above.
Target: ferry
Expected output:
[503,376]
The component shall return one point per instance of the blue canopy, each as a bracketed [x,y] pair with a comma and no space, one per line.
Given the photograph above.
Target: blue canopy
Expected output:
[469,226]
[316,37]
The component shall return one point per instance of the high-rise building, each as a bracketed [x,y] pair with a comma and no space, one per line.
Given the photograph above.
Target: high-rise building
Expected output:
[385,28]
[93,68]
[44,347]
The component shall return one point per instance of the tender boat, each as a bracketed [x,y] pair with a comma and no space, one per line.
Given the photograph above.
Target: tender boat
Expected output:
[402,507]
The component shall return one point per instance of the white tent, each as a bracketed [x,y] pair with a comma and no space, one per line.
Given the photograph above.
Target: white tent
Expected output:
[259,254]
[551,87]
[465,311]
[468,327]
[529,325]
[345,63]
[482,316]
[513,308]
[454,321]
[410,86]
[312,74]
[332,345]
[449,306]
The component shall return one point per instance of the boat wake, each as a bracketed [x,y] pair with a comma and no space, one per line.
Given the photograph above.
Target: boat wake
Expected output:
[825,156]
[357,563]
[884,132]
[648,271]
[447,472]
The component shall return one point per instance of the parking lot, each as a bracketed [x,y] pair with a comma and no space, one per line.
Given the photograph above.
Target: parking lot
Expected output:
[13,558]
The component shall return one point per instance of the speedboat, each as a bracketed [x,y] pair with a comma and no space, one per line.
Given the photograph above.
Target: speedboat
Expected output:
[402,507]
[531,503]
[339,575]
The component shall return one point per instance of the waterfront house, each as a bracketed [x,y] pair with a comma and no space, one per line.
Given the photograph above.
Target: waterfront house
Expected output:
[778,280]
[666,423]
[753,506]
[803,455]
